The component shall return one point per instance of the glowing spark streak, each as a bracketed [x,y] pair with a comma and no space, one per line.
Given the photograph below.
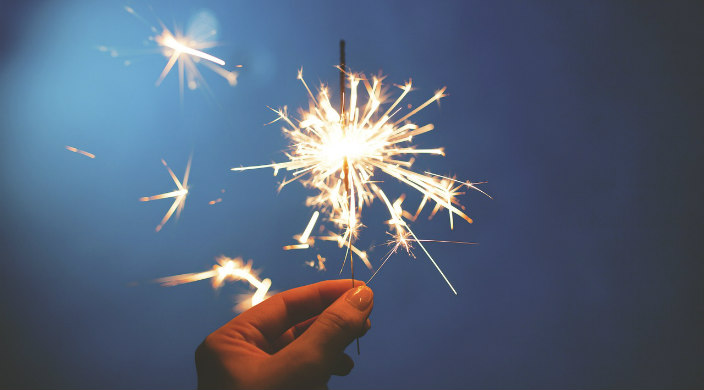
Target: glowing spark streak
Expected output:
[169,41]
[402,222]
[212,202]
[226,269]
[186,50]
[465,183]
[296,246]
[231,77]
[178,195]
[167,68]
[79,151]
[438,95]
[306,233]
[341,241]
[402,239]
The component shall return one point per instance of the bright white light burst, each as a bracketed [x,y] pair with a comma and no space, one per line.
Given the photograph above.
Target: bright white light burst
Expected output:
[338,155]
[184,51]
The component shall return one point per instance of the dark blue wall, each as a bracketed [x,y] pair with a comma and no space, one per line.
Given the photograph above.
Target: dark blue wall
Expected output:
[585,117]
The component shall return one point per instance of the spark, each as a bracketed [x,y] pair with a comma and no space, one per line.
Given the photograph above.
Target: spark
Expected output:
[306,241]
[320,265]
[179,194]
[79,151]
[185,51]
[306,233]
[336,153]
[405,240]
[226,270]
[296,246]
[218,200]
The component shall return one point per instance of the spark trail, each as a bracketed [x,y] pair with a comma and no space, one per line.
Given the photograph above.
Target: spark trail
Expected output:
[337,154]
[179,194]
[79,151]
[226,270]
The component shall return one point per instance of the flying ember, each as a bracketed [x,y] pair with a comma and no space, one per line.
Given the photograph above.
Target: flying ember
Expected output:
[226,270]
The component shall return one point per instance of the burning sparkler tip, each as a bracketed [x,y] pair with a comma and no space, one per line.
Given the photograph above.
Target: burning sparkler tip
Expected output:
[337,151]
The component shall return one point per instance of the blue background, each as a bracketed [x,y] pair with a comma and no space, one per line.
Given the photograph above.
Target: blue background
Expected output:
[585,117]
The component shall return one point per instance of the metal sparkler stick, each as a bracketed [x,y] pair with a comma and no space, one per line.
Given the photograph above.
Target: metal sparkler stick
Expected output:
[345,164]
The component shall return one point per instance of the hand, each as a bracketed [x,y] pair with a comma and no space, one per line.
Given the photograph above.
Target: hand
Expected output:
[295,339]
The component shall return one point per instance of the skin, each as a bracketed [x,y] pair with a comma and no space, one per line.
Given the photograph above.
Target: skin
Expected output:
[295,339]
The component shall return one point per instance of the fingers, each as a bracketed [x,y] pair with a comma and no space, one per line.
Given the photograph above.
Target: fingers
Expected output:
[209,369]
[293,333]
[367,326]
[339,324]
[343,365]
[319,351]
[279,313]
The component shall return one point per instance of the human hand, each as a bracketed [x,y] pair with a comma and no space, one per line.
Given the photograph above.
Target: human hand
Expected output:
[295,339]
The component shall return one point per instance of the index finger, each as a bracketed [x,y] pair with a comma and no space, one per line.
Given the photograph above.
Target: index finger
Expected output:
[277,314]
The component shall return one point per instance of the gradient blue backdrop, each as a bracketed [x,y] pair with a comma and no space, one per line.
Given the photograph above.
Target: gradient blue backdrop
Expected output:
[585,118]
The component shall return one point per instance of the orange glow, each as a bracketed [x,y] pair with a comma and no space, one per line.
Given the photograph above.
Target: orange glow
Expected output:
[296,246]
[226,270]
[79,151]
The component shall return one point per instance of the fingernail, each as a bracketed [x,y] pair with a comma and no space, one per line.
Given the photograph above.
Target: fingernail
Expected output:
[360,297]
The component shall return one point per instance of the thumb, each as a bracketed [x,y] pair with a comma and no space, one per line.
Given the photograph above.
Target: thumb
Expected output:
[340,323]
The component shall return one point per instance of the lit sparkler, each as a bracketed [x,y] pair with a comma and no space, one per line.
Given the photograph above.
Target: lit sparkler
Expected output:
[79,151]
[179,194]
[186,51]
[226,270]
[337,153]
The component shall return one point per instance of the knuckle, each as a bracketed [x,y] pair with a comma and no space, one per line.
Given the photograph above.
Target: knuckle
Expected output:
[336,321]
[314,361]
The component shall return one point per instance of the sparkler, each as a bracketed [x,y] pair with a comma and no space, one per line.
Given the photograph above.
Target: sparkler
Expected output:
[179,194]
[228,269]
[186,51]
[79,151]
[337,153]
